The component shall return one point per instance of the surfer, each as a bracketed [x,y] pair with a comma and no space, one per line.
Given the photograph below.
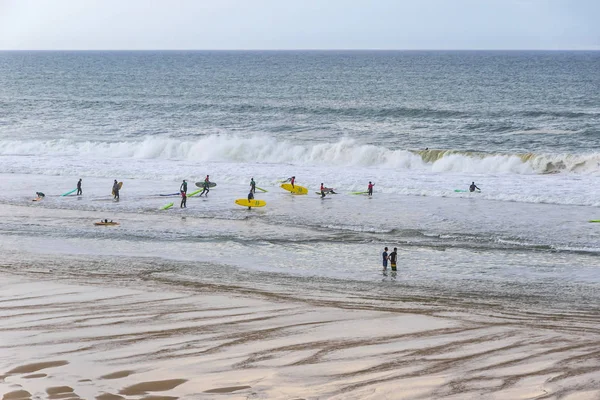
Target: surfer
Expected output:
[183,187]
[252,185]
[183,199]
[473,187]
[205,187]
[250,198]
[115,190]
[79,192]
[325,190]
[370,189]
[291,180]
[385,258]
[393,258]
[40,195]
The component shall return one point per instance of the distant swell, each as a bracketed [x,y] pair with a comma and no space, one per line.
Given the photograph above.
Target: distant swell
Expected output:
[345,152]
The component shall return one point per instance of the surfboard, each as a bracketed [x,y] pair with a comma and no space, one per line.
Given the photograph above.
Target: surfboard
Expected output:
[201,184]
[250,203]
[68,193]
[326,193]
[170,194]
[106,223]
[294,189]
[120,185]
[38,199]
[195,192]
[466,191]
[261,189]
[167,206]
[359,193]
[594,220]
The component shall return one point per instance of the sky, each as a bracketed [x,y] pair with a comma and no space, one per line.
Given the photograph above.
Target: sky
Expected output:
[299,24]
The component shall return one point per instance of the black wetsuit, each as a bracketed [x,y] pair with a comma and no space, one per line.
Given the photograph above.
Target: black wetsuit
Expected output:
[205,189]
[183,187]
[79,192]
[250,198]
[393,258]
[116,190]
[253,186]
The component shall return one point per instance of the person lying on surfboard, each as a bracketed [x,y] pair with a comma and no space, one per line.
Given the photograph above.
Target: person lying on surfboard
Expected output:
[370,189]
[291,180]
[473,187]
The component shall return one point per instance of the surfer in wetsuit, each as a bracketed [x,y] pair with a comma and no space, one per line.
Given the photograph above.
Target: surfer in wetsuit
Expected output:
[473,187]
[40,195]
[325,190]
[79,192]
[291,180]
[183,187]
[393,258]
[183,200]
[252,185]
[250,198]
[370,189]
[385,258]
[205,188]
[115,190]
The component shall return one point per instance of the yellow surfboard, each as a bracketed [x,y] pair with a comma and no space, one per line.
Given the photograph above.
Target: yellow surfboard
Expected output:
[120,185]
[250,203]
[294,189]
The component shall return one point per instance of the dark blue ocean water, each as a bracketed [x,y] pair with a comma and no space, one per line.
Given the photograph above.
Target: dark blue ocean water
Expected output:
[478,101]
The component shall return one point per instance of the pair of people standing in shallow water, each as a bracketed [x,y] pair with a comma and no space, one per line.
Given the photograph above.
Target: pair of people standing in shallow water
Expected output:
[392,258]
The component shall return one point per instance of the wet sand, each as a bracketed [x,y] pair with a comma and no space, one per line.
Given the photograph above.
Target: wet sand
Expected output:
[75,341]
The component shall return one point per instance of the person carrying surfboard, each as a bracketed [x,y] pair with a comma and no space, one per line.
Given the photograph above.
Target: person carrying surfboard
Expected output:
[206,189]
[291,180]
[79,192]
[370,189]
[115,190]
[250,197]
[183,187]
[473,187]
[252,185]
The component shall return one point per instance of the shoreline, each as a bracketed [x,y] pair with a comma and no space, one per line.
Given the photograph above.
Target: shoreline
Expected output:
[102,342]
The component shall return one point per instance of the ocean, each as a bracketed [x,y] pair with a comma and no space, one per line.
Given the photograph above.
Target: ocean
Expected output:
[421,125]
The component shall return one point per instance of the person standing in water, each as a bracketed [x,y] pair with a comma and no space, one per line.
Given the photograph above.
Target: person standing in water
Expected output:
[206,186]
[291,180]
[183,199]
[79,192]
[385,258]
[115,190]
[183,187]
[370,189]
[250,198]
[252,185]
[393,258]
[473,187]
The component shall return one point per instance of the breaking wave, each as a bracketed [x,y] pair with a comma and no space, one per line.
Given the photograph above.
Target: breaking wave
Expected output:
[345,152]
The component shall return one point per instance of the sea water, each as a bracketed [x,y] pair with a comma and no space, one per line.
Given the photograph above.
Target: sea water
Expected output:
[524,126]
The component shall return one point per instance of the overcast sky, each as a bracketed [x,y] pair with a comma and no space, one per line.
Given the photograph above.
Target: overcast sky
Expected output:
[299,24]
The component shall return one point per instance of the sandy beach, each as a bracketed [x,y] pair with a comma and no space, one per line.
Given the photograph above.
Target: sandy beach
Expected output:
[72,341]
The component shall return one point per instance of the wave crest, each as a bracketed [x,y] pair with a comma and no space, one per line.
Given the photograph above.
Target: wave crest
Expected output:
[345,152]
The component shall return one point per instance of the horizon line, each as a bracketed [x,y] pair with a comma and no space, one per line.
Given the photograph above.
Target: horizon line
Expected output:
[308,49]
